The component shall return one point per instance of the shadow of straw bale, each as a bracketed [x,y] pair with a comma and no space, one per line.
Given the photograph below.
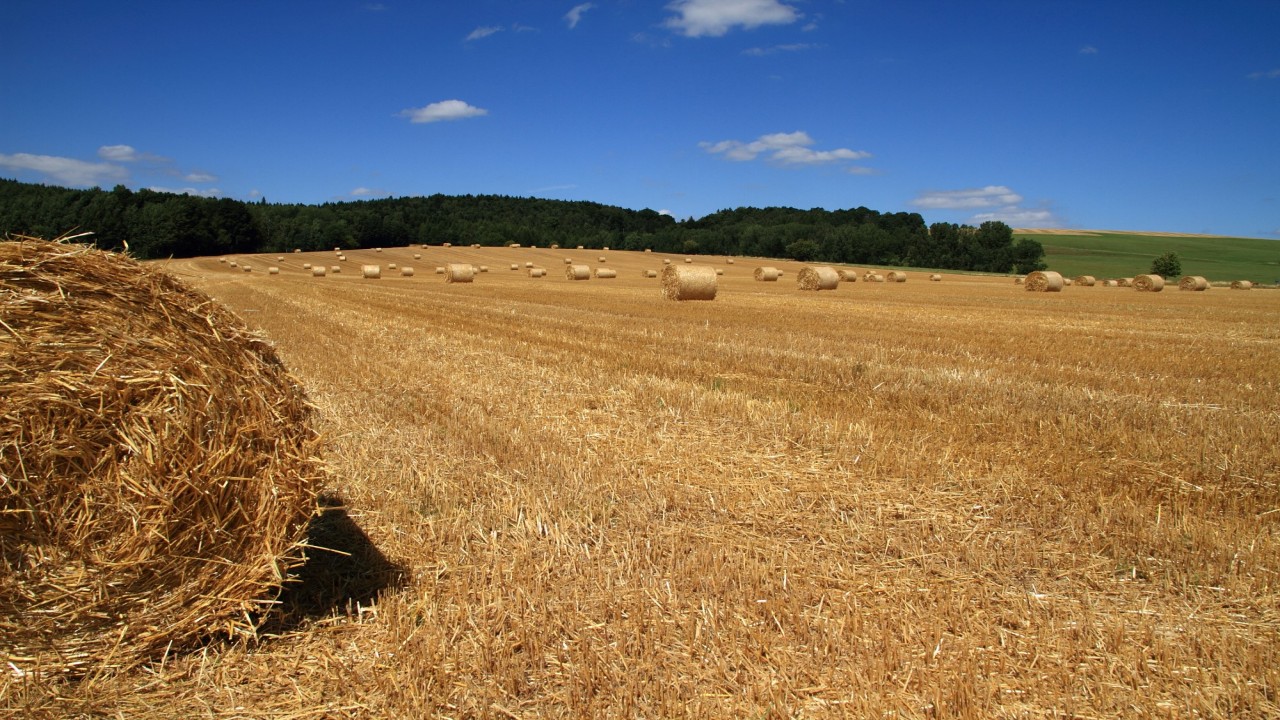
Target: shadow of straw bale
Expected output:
[342,569]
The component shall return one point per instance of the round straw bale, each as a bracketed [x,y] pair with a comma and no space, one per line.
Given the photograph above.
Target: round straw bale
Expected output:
[280,259]
[306,266]
[475,245]
[1085,280]
[555,246]
[935,278]
[568,261]
[297,250]
[1066,281]
[417,256]
[406,271]
[605,248]
[847,275]
[651,273]
[377,249]
[580,247]
[1124,282]
[896,276]
[247,268]
[482,268]
[342,258]
[447,245]
[767,274]
[337,249]
[873,277]
[696,282]
[1148,283]
[371,272]
[602,259]
[1109,283]
[528,265]
[155,451]
[1044,281]
[440,270]
[1242,285]
[605,273]
[273,270]
[222,260]
[233,263]
[391,266]
[1193,283]
[688,261]
[666,261]
[719,271]
[514,245]
[459,273]
[317,271]
[818,277]
[335,268]
[515,266]
[577,272]
[728,261]
[1019,280]
[648,250]
[537,272]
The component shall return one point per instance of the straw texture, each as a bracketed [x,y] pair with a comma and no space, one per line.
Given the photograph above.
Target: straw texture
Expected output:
[1044,281]
[1194,283]
[896,276]
[818,277]
[371,272]
[767,274]
[688,282]
[459,273]
[1242,285]
[156,461]
[577,272]
[847,275]
[1148,283]
[605,273]
[1085,280]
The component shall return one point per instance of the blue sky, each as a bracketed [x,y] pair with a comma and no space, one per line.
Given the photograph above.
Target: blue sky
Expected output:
[1111,115]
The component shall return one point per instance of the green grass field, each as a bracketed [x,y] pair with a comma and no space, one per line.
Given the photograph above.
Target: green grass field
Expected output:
[1120,254]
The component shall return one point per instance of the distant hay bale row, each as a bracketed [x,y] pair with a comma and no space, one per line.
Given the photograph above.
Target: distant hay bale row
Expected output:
[695,282]
[1085,280]
[459,273]
[1148,283]
[1044,281]
[1242,285]
[818,277]
[1193,283]
[767,274]
[577,272]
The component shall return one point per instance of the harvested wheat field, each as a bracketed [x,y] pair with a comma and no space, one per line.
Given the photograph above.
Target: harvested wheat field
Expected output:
[581,500]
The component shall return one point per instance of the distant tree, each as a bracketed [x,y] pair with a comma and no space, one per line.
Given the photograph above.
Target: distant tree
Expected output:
[803,250]
[1028,256]
[1167,265]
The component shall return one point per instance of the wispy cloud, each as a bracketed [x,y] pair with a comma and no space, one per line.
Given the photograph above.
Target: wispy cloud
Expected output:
[573,16]
[998,202]
[443,110]
[65,170]
[483,32]
[1265,74]
[785,148]
[1088,50]
[195,192]
[793,47]
[698,18]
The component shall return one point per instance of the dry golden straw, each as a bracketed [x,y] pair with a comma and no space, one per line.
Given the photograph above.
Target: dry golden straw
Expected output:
[896,276]
[1148,283]
[537,272]
[417,256]
[1110,283]
[577,272]
[1194,283]
[767,274]
[1019,280]
[847,274]
[605,273]
[602,259]
[694,282]
[306,266]
[335,268]
[935,278]
[515,266]
[1044,281]
[273,270]
[440,270]
[459,273]
[1242,285]
[666,261]
[818,277]
[1124,282]
[873,277]
[164,480]
[317,271]
[1085,280]
[406,271]
[728,261]
[391,266]
[247,268]
[371,272]
[651,273]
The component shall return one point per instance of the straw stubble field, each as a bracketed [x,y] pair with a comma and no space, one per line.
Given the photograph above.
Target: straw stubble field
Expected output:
[920,499]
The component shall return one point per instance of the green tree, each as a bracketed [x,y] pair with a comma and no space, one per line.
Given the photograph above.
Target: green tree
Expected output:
[1167,265]
[803,250]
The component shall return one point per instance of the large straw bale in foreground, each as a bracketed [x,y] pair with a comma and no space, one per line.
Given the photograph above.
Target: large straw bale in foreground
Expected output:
[577,272]
[1044,281]
[818,277]
[1194,283]
[1148,283]
[688,282]
[155,459]
[459,273]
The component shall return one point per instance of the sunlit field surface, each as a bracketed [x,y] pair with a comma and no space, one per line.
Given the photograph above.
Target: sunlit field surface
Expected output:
[920,499]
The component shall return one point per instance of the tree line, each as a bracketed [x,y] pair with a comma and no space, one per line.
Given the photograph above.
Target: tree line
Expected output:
[157,224]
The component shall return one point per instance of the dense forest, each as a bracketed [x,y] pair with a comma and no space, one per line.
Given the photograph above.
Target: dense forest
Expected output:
[156,224]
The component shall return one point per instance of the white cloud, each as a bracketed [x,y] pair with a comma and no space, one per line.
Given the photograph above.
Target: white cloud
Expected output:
[118,153]
[1265,74]
[666,212]
[200,177]
[443,110]
[362,192]
[67,171]
[573,16]
[989,196]
[483,32]
[1088,50]
[197,192]
[782,148]
[696,18]
[1019,217]
[793,47]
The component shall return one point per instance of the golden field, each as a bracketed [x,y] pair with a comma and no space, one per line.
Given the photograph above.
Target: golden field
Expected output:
[920,499]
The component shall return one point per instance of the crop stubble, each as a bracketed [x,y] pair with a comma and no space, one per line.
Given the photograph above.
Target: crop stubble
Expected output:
[613,506]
